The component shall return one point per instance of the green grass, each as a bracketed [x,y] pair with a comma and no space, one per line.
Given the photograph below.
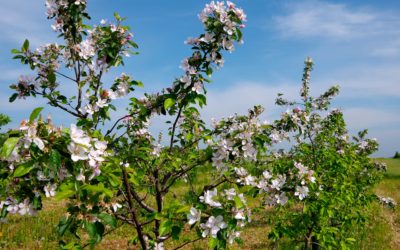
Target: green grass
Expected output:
[381,232]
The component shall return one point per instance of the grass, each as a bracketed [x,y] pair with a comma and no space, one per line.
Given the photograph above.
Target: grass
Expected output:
[381,232]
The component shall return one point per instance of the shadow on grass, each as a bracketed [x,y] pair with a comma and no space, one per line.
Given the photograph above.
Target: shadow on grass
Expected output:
[388,176]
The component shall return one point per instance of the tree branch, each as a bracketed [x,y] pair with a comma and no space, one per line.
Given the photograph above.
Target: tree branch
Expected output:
[174,127]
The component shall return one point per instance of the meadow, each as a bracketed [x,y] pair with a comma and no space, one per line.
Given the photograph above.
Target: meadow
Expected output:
[382,231]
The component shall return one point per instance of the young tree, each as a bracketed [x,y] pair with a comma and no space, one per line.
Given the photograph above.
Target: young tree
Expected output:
[121,174]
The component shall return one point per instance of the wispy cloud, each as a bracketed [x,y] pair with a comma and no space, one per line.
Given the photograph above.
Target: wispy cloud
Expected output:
[20,19]
[374,118]
[341,22]
[244,95]
[366,81]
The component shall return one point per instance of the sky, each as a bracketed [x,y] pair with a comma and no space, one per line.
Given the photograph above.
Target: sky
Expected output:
[355,44]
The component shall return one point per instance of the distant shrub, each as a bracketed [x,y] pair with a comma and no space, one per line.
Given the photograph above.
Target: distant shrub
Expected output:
[396,155]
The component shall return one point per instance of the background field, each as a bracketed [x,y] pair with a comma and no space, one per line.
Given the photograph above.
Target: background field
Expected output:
[381,232]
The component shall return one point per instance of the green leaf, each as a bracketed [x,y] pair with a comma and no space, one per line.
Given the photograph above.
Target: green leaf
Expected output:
[35,113]
[108,219]
[55,160]
[23,169]
[183,209]
[63,225]
[72,246]
[165,227]
[95,231]
[138,83]
[209,71]
[91,229]
[15,51]
[13,97]
[64,194]
[169,103]
[176,230]
[238,202]
[114,180]
[117,16]
[239,34]
[99,188]
[212,243]
[8,147]
[25,46]
[51,77]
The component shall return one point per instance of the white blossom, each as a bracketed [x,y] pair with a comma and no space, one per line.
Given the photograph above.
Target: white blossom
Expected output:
[77,152]
[301,192]
[79,136]
[194,216]
[86,49]
[50,190]
[278,182]
[159,246]
[26,208]
[116,206]
[213,225]
[281,199]
[208,198]
[230,193]
[81,176]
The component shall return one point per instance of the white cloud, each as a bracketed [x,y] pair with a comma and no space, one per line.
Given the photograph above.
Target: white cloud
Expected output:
[243,96]
[369,118]
[21,19]
[366,81]
[342,23]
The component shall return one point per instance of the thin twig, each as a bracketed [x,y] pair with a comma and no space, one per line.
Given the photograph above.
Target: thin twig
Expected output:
[115,124]
[186,243]
[174,127]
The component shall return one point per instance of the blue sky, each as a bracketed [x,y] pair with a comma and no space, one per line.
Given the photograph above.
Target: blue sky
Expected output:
[355,44]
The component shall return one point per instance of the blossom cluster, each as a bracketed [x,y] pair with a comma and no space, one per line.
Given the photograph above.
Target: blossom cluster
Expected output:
[120,89]
[46,60]
[223,24]
[235,140]
[273,185]
[84,148]
[291,120]
[94,45]
[58,9]
[234,205]
[229,18]
[367,145]
[30,136]
[13,207]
